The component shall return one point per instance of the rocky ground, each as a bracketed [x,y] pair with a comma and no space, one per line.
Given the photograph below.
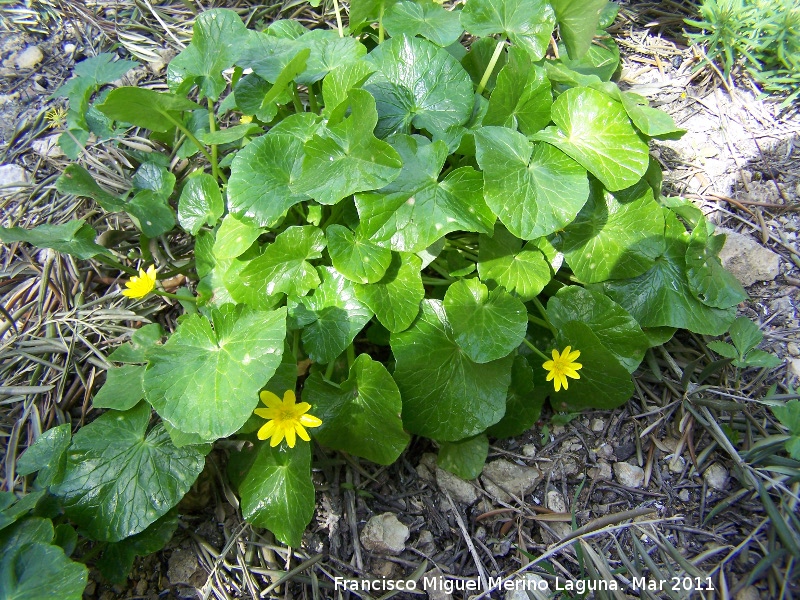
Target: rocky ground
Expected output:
[655,462]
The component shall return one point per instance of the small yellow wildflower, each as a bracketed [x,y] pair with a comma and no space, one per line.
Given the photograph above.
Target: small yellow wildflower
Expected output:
[562,366]
[139,287]
[56,117]
[245,119]
[285,418]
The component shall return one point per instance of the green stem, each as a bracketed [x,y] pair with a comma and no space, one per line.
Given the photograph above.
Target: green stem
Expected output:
[329,369]
[194,140]
[543,312]
[432,281]
[334,215]
[539,321]
[534,349]
[212,125]
[144,246]
[112,262]
[296,344]
[174,296]
[351,356]
[338,18]
[178,270]
[312,99]
[490,67]
[440,271]
[298,105]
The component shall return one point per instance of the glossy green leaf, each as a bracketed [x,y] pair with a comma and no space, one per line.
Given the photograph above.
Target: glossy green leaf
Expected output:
[267,55]
[74,237]
[123,388]
[141,339]
[117,559]
[338,83]
[287,29]
[347,158]
[616,329]
[157,111]
[596,131]
[395,298]
[523,408]
[154,177]
[360,260]
[601,60]
[120,477]
[604,382]
[276,489]
[745,335]
[333,316]
[328,51]
[101,70]
[261,173]
[151,213]
[242,290]
[360,416]
[650,121]
[577,22]
[236,352]
[259,98]
[47,455]
[426,19]
[522,97]
[415,210]
[527,23]
[418,83]
[614,236]
[234,236]
[216,44]
[200,203]
[477,60]
[535,189]
[283,268]
[464,458]
[661,297]
[486,325]
[503,260]
[229,135]
[77,181]
[39,571]
[446,396]
[710,282]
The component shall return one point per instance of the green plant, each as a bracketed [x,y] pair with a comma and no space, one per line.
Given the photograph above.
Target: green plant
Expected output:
[420,221]
[745,336]
[764,34]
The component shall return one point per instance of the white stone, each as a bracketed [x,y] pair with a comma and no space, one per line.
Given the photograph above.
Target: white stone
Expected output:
[794,367]
[528,581]
[384,534]
[629,475]
[793,349]
[598,425]
[683,495]
[748,260]
[438,591]
[69,48]
[602,470]
[29,58]
[47,147]
[500,477]
[460,490]
[11,174]
[716,476]
[676,464]
[749,593]
[529,450]
[555,501]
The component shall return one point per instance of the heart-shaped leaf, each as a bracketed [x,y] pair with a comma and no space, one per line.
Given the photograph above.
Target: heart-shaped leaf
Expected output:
[446,396]
[360,260]
[151,213]
[395,298]
[527,23]
[237,351]
[596,131]
[333,316]
[283,268]
[427,19]
[535,189]
[616,329]
[123,388]
[216,45]
[417,209]
[360,416]
[36,571]
[157,111]
[75,238]
[276,488]
[477,60]
[120,477]
[523,407]
[347,158]
[577,22]
[47,455]
[615,236]
[486,325]
[234,236]
[662,297]
[418,83]
[464,458]
[522,97]
[261,173]
[708,279]
[77,181]
[200,203]
[503,260]
[327,51]
[338,83]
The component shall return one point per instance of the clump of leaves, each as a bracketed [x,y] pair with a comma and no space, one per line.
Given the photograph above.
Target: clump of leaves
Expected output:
[789,416]
[745,336]
[763,34]
[421,222]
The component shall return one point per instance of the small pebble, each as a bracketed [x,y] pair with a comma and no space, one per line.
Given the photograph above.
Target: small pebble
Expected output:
[684,495]
[69,48]
[676,464]
[529,450]
[793,349]
[716,476]
[629,475]
[598,425]
[29,58]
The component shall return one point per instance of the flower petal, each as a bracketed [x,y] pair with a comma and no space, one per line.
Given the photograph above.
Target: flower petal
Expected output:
[301,431]
[310,421]
[302,407]
[289,397]
[266,430]
[270,399]
[290,437]
[277,436]
[573,356]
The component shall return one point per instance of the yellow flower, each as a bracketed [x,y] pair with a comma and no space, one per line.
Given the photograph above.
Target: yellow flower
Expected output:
[245,119]
[285,419]
[139,287]
[562,366]
[55,117]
